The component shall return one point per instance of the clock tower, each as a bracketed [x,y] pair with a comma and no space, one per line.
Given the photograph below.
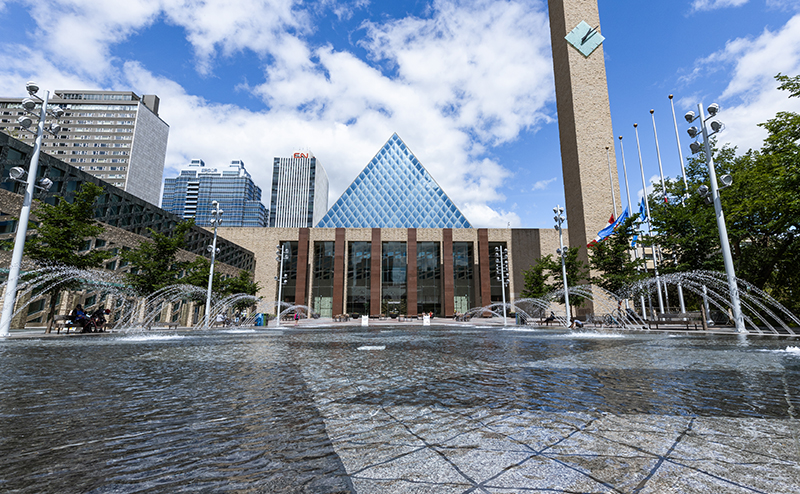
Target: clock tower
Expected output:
[584,119]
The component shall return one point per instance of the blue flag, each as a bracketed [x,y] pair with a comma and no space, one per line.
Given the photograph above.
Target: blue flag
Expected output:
[609,230]
[633,242]
[642,210]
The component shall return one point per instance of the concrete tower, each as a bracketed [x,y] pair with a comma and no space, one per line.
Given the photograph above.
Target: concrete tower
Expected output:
[584,118]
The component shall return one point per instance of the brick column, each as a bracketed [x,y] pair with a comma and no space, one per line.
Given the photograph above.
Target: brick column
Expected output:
[411,273]
[375,274]
[484,259]
[339,272]
[447,272]
[584,124]
[302,268]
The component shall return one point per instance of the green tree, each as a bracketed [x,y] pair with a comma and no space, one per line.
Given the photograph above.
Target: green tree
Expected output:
[612,258]
[61,235]
[762,210]
[154,264]
[546,275]
[536,279]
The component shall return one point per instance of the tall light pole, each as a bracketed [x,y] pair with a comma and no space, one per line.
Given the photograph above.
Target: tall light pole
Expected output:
[716,126]
[28,104]
[281,256]
[216,220]
[680,153]
[501,263]
[559,219]
[649,222]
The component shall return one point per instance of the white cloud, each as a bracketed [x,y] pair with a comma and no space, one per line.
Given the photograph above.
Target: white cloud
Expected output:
[469,76]
[542,184]
[751,96]
[698,5]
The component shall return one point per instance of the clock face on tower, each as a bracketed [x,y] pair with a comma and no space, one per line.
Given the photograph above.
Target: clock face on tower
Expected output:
[584,38]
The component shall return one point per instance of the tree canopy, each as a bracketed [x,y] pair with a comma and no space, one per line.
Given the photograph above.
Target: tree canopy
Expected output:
[154,264]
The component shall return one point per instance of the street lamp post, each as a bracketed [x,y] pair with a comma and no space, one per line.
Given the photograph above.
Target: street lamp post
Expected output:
[28,104]
[282,279]
[216,220]
[559,219]
[501,263]
[716,126]
[611,182]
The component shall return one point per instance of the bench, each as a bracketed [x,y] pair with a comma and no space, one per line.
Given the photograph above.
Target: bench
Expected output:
[65,323]
[162,325]
[690,320]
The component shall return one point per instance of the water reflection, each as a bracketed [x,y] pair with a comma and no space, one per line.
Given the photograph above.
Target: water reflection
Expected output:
[238,411]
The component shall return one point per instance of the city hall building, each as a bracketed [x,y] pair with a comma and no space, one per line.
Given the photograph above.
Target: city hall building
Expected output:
[394,242]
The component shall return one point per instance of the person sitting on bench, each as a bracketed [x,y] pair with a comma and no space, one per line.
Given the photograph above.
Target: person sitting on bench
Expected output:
[550,318]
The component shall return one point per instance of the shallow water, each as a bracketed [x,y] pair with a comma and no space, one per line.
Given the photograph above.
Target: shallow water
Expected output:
[240,411]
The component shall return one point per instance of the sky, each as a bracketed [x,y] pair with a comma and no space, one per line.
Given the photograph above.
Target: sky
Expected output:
[468,85]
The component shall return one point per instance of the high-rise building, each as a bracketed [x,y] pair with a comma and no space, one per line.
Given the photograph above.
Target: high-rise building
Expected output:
[115,136]
[189,195]
[299,191]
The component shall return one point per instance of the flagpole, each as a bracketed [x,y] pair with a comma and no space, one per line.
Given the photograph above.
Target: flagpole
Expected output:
[663,189]
[630,208]
[685,189]
[611,183]
[649,222]
[680,153]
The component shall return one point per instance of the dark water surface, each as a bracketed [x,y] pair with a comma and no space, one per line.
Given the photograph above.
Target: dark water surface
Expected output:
[227,411]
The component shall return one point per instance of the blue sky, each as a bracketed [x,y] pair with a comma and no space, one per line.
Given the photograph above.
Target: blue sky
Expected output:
[467,84]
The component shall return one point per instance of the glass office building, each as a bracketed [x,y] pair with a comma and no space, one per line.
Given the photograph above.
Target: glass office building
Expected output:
[189,195]
[299,191]
[394,191]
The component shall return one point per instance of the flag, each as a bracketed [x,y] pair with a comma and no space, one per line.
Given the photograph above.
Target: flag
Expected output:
[609,230]
[633,241]
[642,210]
[611,220]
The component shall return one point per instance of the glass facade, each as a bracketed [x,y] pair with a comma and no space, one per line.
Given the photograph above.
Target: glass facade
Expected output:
[394,191]
[290,270]
[394,288]
[190,194]
[429,278]
[359,256]
[494,274]
[322,278]
[463,284]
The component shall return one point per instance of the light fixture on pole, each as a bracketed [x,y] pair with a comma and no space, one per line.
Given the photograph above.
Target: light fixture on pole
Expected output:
[713,196]
[501,265]
[281,254]
[649,222]
[215,221]
[559,219]
[25,121]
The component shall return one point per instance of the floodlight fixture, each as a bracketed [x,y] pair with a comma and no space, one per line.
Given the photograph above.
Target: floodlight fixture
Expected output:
[17,173]
[693,131]
[29,104]
[716,126]
[726,180]
[32,88]
[58,112]
[713,109]
[689,116]
[695,147]
[25,121]
[702,191]
[54,128]
[44,184]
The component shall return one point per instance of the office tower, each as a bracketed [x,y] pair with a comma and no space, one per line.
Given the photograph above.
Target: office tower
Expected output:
[189,195]
[115,136]
[394,191]
[299,191]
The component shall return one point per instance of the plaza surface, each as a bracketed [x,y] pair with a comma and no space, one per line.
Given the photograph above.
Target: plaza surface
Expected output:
[400,409]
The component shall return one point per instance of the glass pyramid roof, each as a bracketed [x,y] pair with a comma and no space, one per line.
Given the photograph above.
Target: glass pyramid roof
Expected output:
[394,191]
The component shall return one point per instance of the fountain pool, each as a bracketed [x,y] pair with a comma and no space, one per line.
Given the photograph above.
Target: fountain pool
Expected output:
[397,409]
